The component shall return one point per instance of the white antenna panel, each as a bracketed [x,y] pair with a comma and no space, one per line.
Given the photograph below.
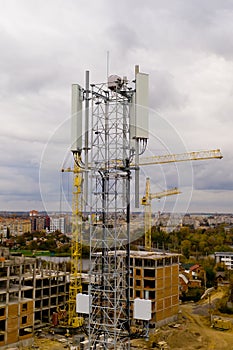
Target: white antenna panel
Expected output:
[76,118]
[142,309]
[140,112]
[82,303]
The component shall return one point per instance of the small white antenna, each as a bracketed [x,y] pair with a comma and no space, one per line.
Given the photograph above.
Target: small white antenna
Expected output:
[107,65]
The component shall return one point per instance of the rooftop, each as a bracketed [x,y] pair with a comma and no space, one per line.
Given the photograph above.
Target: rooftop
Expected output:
[144,254]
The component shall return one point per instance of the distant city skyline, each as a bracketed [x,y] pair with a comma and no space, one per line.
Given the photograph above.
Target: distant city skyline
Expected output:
[185,47]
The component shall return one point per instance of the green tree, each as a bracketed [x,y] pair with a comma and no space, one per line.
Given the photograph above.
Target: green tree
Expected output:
[33,245]
[186,248]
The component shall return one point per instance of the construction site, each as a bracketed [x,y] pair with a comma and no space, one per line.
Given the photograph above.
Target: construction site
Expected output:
[126,293]
[31,291]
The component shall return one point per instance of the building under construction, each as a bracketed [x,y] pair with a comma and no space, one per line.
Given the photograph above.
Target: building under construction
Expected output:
[31,291]
[156,275]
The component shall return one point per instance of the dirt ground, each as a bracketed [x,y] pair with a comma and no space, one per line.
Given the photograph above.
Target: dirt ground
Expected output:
[191,332]
[51,343]
[194,332]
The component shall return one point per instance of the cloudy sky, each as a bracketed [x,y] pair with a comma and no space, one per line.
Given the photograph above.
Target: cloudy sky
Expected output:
[186,47]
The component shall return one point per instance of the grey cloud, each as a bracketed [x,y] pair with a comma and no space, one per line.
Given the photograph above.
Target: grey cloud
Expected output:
[124,35]
[201,26]
[47,46]
[216,175]
[165,93]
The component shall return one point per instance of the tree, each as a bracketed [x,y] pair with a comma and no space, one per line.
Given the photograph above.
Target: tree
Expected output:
[186,248]
[33,245]
[210,277]
[192,294]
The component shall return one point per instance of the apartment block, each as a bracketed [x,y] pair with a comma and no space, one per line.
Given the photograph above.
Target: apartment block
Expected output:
[225,257]
[14,227]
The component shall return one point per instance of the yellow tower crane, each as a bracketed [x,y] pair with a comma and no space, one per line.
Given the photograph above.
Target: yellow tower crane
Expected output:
[163,159]
[76,250]
[146,201]
[73,320]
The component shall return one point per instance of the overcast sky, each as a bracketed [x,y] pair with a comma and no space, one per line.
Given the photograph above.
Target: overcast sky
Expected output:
[186,47]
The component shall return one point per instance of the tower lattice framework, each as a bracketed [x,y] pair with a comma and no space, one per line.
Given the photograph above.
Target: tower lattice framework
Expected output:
[110,211]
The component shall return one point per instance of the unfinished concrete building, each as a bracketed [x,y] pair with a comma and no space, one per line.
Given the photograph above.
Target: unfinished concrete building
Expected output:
[30,291]
[51,290]
[16,299]
[157,274]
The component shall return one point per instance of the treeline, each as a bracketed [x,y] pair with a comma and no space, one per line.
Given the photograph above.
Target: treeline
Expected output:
[187,241]
[56,243]
[194,242]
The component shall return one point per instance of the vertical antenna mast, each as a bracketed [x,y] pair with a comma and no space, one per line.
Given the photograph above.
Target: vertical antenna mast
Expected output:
[136,151]
[139,122]
[86,141]
[107,65]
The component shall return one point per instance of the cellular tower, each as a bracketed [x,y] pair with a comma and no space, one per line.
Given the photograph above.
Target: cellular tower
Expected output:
[108,136]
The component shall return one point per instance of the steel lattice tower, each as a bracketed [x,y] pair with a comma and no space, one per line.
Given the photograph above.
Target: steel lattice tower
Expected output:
[109,207]
[113,134]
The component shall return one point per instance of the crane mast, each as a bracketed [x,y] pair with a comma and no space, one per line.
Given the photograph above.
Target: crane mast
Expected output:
[146,202]
[75,287]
